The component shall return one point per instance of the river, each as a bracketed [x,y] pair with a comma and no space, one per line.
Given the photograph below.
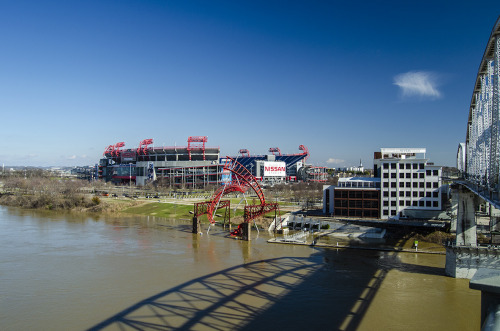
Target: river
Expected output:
[75,272]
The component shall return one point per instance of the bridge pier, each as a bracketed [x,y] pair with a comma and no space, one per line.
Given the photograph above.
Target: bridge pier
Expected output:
[466,218]
[494,220]
[246,231]
[462,259]
[488,282]
[196,225]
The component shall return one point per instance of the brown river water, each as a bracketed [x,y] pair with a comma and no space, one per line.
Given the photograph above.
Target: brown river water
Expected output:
[73,272]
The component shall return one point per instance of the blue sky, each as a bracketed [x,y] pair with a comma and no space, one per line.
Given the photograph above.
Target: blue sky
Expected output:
[344,78]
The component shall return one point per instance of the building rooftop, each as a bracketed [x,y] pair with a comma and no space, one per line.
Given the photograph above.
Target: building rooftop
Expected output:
[400,153]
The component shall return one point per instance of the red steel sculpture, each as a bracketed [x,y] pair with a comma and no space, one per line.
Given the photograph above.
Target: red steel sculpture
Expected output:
[241,180]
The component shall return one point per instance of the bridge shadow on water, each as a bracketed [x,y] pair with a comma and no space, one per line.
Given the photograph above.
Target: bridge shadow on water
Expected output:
[330,290]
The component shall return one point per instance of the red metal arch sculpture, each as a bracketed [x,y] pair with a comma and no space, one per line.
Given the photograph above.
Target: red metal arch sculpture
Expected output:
[241,180]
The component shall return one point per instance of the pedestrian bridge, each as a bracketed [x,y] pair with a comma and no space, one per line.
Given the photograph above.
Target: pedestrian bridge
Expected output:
[478,161]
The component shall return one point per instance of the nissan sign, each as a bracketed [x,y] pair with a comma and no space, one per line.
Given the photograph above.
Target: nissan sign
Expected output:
[274,169]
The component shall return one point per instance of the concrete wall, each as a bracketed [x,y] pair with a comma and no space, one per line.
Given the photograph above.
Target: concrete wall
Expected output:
[463,262]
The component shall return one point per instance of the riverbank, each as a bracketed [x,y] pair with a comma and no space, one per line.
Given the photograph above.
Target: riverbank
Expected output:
[426,250]
[181,209]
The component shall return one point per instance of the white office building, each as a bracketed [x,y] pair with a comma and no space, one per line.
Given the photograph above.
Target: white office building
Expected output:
[409,183]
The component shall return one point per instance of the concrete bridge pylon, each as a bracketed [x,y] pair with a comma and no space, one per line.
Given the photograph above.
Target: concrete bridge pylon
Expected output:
[466,218]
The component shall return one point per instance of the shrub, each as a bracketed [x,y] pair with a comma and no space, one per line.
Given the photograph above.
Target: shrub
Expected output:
[96,200]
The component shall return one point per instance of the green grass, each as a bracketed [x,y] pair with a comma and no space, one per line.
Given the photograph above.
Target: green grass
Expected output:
[170,210]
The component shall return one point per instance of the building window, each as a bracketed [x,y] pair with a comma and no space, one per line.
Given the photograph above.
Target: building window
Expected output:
[386,165]
[415,175]
[421,165]
[427,203]
[386,203]
[428,172]
[435,194]
[435,204]
[415,184]
[421,184]
[408,193]
[408,184]
[408,166]
[422,175]
[401,202]
[421,203]
[415,194]
[428,184]
[401,175]
[434,172]
[386,193]
[393,212]
[385,212]
[421,194]
[408,175]
[435,184]
[415,203]
[393,184]
[401,184]
[401,193]
[393,194]
[415,165]
[393,165]
[393,203]
[385,184]
[428,194]
[393,175]
[386,175]
[401,166]
[408,202]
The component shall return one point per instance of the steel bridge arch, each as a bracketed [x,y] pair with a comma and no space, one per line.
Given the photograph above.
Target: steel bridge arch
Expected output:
[482,146]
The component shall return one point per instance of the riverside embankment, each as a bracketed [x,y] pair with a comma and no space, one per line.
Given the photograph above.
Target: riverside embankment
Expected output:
[180,208]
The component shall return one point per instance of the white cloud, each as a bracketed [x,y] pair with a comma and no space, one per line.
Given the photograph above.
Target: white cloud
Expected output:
[72,157]
[334,161]
[418,83]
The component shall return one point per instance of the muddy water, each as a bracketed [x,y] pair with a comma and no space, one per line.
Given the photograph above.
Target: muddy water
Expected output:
[64,272]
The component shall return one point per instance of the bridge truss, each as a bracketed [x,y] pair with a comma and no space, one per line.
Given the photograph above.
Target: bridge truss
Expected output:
[482,146]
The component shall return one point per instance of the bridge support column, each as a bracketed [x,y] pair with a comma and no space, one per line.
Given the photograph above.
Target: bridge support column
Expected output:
[454,210]
[246,231]
[488,282]
[196,225]
[466,218]
[494,219]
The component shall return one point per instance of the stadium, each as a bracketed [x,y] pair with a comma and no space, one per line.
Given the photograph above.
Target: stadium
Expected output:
[197,165]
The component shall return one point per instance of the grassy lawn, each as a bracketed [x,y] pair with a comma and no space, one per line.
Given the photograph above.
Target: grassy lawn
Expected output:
[170,210]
